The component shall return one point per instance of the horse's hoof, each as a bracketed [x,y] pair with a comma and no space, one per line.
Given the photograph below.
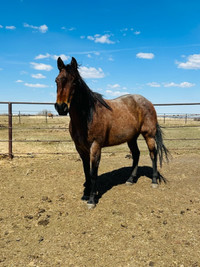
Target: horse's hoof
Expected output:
[85,198]
[129,183]
[154,185]
[91,206]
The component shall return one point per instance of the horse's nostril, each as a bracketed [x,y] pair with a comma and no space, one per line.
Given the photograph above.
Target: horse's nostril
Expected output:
[65,107]
[61,109]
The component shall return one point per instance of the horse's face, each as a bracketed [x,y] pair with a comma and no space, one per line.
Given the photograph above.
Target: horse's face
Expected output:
[65,85]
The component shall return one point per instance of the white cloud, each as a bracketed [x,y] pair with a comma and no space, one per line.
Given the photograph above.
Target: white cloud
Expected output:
[126,30]
[38,76]
[114,86]
[145,55]
[116,90]
[47,55]
[91,38]
[68,29]
[111,58]
[64,57]
[36,85]
[42,28]
[10,27]
[192,63]
[137,32]
[103,39]
[19,81]
[41,66]
[171,84]
[40,56]
[115,93]
[72,29]
[181,85]
[153,84]
[91,72]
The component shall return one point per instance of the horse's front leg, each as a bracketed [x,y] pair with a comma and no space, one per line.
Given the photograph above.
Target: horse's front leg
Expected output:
[95,156]
[87,184]
[85,156]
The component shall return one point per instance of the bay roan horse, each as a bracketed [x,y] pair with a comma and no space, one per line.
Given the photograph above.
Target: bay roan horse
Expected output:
[97,122]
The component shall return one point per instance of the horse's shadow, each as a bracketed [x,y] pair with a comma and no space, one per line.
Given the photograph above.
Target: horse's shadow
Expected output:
[110,179]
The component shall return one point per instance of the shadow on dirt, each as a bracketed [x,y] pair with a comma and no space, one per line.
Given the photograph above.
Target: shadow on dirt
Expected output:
[110,179]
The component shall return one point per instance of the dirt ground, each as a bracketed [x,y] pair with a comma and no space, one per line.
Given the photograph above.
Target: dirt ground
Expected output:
[43,221]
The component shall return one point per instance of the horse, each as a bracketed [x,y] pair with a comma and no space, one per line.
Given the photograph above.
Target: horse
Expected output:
[50,115]
[96,122]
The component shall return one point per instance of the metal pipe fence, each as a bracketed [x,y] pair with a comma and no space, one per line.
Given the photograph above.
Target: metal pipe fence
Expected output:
[10,115]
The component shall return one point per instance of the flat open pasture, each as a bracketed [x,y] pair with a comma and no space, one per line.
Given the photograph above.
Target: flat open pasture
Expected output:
[43,221]
[36,135]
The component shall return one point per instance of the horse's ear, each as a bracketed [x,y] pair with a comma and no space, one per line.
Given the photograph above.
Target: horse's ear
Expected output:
[74,63]
[60,64]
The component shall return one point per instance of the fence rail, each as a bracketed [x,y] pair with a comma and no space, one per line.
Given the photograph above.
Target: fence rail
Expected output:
[10,124]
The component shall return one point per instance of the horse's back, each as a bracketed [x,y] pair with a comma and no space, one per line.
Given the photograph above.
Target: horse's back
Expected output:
[137,105]
[129,115]
[137,111]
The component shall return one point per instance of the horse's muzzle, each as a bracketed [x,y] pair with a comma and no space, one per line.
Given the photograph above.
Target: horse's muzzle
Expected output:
[62,109]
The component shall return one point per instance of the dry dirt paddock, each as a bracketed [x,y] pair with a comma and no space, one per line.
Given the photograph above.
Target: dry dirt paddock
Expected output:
[43,221]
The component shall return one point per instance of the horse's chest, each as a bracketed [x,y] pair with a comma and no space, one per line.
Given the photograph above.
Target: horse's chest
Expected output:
[79,137]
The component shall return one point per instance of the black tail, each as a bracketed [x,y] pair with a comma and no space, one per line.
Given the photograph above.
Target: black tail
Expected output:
[161,149]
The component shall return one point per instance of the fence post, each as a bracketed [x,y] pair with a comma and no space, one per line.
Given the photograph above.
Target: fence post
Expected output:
[185,118]
[10,131]
[19,117]
[46,116]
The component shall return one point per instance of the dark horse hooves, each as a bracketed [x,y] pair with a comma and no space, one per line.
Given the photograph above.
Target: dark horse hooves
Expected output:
[154,185]
[85,198]
[91,205]
[131,180]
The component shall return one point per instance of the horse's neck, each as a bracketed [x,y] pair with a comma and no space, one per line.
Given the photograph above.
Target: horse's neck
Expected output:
[81,110]
[78,120]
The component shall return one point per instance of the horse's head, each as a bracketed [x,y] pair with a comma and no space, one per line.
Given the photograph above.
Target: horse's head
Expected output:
[66,81]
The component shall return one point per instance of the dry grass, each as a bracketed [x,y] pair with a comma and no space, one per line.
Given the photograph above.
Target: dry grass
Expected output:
[35,128]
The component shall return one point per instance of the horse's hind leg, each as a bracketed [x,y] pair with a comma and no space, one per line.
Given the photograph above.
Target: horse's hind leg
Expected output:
[95,156]
[135,154]
[151,143]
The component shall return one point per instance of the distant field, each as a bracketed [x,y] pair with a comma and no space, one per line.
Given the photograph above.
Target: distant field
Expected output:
[36,135]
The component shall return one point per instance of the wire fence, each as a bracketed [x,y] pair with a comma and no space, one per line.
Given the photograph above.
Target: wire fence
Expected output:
[29,132]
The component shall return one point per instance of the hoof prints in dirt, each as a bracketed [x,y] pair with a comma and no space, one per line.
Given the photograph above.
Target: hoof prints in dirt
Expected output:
[43,216]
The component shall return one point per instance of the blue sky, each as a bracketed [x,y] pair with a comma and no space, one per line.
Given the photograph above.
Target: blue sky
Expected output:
[142,47]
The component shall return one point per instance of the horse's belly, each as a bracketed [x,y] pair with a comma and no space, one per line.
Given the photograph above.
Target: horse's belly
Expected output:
[121,135]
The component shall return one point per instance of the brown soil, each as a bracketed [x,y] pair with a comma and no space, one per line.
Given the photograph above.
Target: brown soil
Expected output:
[43,222]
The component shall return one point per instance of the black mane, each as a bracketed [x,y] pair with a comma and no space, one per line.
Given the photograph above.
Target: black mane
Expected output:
[85,99]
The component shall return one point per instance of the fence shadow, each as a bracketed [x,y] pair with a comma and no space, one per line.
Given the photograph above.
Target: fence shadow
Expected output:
[108,180]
